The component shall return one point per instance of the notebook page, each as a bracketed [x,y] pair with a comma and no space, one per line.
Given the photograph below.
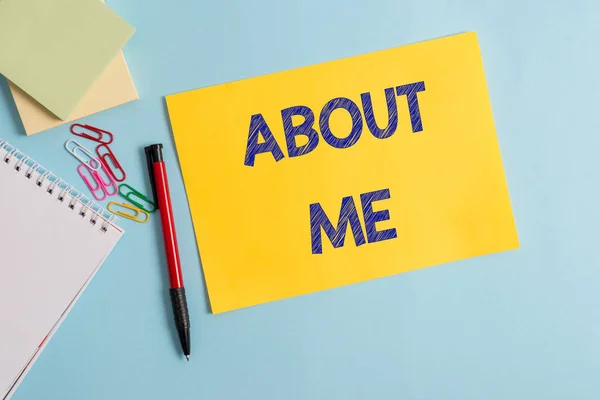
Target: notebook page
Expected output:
[47,254]
[18,379]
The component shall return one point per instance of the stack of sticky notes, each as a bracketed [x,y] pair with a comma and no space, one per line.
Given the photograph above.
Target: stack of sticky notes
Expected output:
[63,59]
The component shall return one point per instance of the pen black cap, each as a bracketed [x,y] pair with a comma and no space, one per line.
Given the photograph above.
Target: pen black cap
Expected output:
[153,155]
[155,152]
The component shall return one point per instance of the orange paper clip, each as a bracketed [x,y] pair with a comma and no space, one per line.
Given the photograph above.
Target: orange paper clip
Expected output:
[99,134]
[107,157]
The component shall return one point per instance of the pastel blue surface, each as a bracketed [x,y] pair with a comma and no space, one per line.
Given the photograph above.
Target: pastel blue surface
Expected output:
[517,325]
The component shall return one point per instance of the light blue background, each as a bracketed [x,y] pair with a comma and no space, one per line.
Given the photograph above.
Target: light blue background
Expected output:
[518,325]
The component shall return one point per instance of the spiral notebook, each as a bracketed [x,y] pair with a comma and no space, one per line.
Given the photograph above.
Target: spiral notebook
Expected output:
[52,242]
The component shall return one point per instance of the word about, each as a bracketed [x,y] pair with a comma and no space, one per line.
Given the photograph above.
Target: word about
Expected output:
[260,128]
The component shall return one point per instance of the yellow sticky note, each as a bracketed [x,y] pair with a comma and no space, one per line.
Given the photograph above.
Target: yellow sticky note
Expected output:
[113,87]
[341,172]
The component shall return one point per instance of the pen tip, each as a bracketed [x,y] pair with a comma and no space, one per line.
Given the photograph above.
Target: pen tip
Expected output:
[187,357]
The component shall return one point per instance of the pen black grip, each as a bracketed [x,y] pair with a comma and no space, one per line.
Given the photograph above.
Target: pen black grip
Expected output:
[182,317]
[180,308]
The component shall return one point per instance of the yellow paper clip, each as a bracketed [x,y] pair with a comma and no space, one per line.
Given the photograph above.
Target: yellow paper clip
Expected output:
[134,217]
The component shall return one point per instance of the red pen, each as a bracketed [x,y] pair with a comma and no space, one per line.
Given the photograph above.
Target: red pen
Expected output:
[160,186]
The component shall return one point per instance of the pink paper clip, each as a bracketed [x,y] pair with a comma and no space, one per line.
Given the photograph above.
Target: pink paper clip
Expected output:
[98,191]
[107,183]
[107,158]
[98,133]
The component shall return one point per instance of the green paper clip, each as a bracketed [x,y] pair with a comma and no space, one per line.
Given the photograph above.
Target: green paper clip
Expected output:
[133,194]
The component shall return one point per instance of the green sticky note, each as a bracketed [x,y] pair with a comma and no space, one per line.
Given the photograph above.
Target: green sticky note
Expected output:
[55,49]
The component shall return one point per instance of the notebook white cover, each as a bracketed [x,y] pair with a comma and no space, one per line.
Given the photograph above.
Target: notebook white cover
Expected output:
[48,254]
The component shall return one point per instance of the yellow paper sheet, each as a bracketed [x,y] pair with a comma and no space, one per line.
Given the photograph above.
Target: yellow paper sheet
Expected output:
[113,88]
[437,172]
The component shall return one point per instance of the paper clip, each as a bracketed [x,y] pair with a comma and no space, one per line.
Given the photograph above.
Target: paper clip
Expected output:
[98,191]
[107,158]
[99,132]
[108,183]
[131,196]
[134,217]
[89,162]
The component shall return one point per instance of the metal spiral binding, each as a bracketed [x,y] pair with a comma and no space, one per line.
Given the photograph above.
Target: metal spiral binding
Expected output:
[86,208]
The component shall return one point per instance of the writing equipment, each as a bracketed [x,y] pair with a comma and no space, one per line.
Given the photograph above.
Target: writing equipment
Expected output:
[54,51]
[342,172]
[53,241]
[160,186]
